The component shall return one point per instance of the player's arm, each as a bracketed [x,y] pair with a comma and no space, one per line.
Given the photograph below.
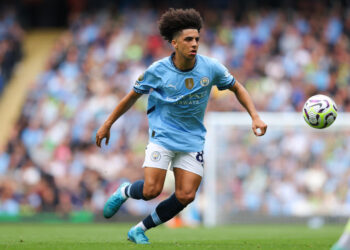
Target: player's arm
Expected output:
[246,101]
[124,105]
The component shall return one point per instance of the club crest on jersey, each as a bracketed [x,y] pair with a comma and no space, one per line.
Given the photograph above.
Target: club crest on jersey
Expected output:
[155,156]
[189,83]
[204,81]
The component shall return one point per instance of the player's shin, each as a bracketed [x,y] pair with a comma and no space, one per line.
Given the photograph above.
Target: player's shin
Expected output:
[135,190]
[166,210]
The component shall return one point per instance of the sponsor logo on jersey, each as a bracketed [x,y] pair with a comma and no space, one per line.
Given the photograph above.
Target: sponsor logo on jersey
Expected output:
[204,81]
[189,83]
[193,98]
[155,156]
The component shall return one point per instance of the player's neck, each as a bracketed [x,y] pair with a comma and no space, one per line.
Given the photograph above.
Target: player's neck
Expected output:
[183,63]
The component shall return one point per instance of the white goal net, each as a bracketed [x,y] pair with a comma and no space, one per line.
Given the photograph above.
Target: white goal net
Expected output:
[294,170]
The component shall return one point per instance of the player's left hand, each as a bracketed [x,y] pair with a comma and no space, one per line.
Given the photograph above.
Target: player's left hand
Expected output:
[259,127]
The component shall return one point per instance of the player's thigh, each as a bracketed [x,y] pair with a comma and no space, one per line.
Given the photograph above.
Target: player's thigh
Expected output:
[186,185]
[157,159]
[188,171]
[154,179]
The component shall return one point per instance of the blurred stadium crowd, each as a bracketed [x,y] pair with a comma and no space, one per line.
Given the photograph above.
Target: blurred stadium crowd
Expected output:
[51,162]
[11,36]
[294,171]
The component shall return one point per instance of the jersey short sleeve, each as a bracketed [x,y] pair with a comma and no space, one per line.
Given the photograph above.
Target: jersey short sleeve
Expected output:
[146,81]
[223,78]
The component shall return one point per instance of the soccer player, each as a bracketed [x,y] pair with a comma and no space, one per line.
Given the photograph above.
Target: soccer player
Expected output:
[178,88]
[344,241]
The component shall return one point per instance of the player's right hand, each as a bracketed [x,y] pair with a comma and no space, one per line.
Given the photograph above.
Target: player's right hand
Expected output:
[103,132]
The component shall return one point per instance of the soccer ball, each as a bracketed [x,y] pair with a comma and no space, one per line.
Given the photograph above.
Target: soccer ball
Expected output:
[320,111]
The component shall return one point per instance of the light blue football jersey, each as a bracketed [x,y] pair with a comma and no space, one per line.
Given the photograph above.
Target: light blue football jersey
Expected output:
[178,99]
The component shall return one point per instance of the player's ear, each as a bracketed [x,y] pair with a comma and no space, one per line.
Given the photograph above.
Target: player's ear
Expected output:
[174,43]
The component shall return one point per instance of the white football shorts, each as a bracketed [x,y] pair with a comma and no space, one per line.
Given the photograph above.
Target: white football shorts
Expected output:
[160,157]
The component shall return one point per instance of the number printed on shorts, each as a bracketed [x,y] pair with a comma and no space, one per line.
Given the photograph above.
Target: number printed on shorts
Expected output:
[199,157]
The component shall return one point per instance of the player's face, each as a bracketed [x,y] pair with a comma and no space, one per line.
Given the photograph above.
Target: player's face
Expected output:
[186,43]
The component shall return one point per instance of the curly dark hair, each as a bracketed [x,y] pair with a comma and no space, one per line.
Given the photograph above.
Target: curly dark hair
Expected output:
[176,20]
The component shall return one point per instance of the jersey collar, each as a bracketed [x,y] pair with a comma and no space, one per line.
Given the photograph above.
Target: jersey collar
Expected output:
[172,63]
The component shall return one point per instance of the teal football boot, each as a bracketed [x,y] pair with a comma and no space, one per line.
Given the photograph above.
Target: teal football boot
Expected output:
[137,235]
[114,202]
[337,247]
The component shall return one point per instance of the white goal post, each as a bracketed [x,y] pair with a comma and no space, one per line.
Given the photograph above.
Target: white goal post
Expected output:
[221,125]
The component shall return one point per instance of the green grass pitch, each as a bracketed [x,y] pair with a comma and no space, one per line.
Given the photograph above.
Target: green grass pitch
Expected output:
[113,236]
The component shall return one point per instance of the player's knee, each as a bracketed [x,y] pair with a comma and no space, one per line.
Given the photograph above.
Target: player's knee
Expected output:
[151,192]
[185,197]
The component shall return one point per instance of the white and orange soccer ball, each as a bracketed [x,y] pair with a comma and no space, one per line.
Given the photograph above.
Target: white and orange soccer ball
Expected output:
[320,111]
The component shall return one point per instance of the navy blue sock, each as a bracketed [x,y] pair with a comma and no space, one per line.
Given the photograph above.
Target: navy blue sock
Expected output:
[165,210]
[135,190]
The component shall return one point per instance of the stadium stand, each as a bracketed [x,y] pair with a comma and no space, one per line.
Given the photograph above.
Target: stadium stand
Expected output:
[11,37]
